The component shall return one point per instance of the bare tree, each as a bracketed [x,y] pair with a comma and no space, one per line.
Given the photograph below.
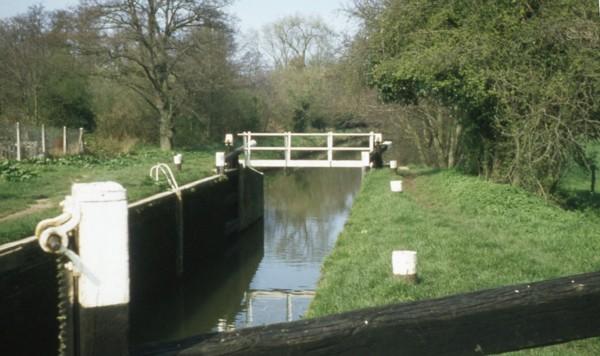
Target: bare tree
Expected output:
[146,41]
[298,41]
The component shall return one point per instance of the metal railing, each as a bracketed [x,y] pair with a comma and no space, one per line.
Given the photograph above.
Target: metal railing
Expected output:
[288,147]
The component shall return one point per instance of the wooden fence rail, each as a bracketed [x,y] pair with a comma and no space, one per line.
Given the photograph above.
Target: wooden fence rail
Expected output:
[483,322]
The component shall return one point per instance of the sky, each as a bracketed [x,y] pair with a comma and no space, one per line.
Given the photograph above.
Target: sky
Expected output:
[252,14]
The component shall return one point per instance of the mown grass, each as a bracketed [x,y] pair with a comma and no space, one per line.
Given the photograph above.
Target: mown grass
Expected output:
[52,179]
[470,234]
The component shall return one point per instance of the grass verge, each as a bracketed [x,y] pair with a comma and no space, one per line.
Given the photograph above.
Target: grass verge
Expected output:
[27,182]
[470,234]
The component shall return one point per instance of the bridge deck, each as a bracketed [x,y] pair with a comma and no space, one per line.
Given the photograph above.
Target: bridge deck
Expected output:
[250,146]
[297,163]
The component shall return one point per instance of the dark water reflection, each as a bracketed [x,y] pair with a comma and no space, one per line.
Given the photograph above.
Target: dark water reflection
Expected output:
[269,274]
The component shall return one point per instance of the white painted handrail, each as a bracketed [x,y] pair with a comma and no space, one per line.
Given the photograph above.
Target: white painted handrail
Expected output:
[166,171]
[287,148]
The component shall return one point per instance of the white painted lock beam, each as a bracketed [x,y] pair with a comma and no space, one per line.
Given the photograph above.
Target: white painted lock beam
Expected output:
[104,285]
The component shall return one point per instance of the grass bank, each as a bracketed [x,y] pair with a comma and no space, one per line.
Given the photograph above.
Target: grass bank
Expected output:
[470,234]
[31,190]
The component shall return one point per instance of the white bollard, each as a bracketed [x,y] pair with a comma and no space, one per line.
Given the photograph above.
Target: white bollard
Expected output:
[103,244]
[228,140]
[396,186]
[220,161]
[178,160]
[393,164]
[64,140]
[404,265]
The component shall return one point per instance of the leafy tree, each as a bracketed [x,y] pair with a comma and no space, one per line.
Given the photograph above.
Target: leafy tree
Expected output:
[517,76]
[43,81]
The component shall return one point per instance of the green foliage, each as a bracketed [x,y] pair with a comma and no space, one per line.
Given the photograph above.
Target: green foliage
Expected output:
[469,234]
[52,179]
[14,172]
[68,101]
[300,118]
[519,75]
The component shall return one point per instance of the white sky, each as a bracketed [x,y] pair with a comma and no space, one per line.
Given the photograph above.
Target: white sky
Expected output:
[252,14]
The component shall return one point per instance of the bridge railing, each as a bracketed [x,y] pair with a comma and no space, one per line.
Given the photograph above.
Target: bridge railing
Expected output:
[290,146]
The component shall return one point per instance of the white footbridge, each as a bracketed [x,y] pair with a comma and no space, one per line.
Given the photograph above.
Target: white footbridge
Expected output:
[320,149]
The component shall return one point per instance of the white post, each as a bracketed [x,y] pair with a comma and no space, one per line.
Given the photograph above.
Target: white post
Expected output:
[365,158]
[246,143]
[18,141]
[404,265]
[288,148]
[290,312]
[43,140]
[80,142]
[371,141]
[396,186]
[249,313]
[330,147]
[249,157]
[103,293]
[220,161]
[64,140]
[178,161]
[393,164]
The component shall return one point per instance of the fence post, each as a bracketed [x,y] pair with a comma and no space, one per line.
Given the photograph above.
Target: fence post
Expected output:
[246,148]
[330,147]
[64,140]
[18,141]
[80,142]
[43,140]
[103,293]
[288,149]
[248,151]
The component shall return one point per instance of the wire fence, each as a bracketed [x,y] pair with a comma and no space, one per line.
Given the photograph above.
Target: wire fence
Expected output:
[18,141]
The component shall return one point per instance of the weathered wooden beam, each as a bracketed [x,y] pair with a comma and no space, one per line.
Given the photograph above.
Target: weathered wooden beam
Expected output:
[483,322]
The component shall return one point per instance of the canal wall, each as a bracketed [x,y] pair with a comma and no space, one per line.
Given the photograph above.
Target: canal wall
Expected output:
[170,237]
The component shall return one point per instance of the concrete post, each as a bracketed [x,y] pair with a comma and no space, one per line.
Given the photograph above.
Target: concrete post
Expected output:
[220,162]
[246,150]
[178,161]
[288,148]
[18,141]
[64,140]
[43,140]
[289,306]
[396,186]
[330,147]
[365,158]
[249,153]
[404,265]
[80,142]
[103,292]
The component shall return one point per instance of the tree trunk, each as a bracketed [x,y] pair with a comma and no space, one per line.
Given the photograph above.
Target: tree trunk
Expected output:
[166,126]
[453,145]
[166,130]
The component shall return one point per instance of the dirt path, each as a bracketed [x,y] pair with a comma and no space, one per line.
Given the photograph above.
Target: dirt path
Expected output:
[40,204]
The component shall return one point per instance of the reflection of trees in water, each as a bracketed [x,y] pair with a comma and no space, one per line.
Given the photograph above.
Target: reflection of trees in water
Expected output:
[305,211]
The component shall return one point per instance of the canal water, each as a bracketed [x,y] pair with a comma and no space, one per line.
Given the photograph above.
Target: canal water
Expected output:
[272,271]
